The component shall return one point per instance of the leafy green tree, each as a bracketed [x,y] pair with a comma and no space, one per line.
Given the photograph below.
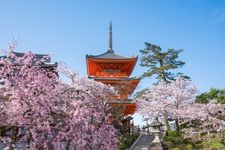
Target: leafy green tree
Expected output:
[214,94]
[160,63]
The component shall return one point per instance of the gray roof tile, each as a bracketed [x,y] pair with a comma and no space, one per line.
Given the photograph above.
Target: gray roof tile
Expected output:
[109,55]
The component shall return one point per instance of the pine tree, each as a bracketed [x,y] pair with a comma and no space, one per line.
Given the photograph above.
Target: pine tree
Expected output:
[160,63]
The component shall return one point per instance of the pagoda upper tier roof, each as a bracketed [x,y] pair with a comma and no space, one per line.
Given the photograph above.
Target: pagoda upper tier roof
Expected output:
[110,55]
[110,64]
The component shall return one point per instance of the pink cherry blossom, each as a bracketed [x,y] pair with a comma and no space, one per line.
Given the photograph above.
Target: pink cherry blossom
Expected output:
[177,99]
[48,113]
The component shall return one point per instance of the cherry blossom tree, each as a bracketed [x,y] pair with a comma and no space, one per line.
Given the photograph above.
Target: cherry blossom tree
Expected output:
[204,118]
[38,108]
[171,98]
[178,100]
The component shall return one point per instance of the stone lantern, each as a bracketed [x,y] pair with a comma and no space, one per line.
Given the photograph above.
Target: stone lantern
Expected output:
[156,125]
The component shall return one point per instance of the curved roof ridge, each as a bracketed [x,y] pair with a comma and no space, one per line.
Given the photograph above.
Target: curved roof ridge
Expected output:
[109,55]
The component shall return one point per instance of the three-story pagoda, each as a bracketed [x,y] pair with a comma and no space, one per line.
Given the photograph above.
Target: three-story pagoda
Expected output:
[111,68]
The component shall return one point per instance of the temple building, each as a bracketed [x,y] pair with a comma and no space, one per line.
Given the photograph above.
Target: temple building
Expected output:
[43,58]
[111,68]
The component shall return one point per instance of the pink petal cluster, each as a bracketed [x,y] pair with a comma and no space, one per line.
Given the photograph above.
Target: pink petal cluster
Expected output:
[178,100]
[48,113]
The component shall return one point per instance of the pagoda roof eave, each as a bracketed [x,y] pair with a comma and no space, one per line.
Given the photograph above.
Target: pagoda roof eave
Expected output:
[110,56]
[113,60]
[113,78]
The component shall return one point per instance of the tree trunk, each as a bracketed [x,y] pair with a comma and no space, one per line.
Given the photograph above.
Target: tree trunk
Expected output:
[15,132]
[165,117]
[162,73]
[177,125]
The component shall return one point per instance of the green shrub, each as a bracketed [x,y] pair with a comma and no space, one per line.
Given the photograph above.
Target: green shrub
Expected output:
[175,141]
[216,144]
[169,144]
[176,148]
[188,147]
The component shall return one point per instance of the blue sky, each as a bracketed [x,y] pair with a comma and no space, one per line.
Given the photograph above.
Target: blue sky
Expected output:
[70,29]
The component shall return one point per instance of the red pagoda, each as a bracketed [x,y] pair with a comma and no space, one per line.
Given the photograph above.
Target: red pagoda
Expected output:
[111,68]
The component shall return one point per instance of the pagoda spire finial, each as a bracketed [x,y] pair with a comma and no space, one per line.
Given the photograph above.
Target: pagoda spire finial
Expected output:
[110,49]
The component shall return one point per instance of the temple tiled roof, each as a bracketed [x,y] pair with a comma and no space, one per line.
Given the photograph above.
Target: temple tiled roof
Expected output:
[49,65]
[38,56]
[46,63]
[109,55]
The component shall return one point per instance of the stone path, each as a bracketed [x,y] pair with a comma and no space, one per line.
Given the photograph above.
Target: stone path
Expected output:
[142,142]
[156,147]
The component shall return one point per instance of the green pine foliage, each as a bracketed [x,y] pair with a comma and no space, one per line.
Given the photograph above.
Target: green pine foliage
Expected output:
[160,63]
